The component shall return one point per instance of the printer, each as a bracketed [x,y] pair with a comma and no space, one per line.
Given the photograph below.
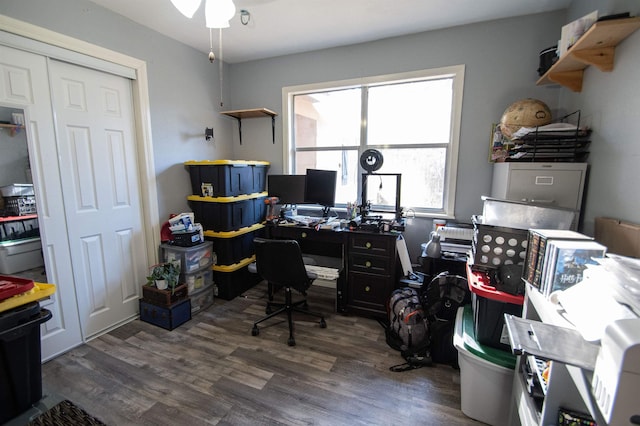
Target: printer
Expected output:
[616,375]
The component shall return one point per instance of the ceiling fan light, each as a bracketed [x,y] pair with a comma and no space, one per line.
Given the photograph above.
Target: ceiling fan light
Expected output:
[187,7]
[218,13]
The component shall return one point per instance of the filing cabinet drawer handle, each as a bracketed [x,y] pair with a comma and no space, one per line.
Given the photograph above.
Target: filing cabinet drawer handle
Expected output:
[367,264]
[368,245]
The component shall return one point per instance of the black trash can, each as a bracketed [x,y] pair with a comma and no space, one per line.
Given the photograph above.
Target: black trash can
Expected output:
[20,359]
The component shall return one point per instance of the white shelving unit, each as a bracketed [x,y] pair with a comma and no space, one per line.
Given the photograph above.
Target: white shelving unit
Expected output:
[567,386]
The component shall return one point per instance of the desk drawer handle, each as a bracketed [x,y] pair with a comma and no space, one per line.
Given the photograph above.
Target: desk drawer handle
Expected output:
[368,245]
[367,264]
[304,235]
[367,289]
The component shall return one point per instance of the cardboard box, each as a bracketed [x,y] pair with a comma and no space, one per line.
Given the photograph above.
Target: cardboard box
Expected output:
[618,236]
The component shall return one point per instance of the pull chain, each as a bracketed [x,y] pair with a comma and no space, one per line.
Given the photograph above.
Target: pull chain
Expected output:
[221,69]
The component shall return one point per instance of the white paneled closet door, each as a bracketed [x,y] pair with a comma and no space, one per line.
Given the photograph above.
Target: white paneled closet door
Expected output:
[103,208]
[24,84]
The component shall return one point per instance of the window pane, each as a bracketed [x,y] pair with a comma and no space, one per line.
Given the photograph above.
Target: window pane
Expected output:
[345,162]
[327,119]
[410,113]
[423,175]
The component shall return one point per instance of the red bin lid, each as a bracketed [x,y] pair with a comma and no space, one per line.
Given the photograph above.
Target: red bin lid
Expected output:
[479,283]
[11,286]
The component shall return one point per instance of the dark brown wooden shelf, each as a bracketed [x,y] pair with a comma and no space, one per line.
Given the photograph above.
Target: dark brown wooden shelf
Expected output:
[239,114]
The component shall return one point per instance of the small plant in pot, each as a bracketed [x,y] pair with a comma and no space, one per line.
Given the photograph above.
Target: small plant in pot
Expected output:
[164,276]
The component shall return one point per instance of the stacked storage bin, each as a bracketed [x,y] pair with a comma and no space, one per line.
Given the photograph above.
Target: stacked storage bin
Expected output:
[195,271]
[229,201]
[484,354]
[486,374]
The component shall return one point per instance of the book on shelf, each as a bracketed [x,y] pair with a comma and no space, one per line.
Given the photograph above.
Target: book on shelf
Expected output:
[567,261]
[537,240]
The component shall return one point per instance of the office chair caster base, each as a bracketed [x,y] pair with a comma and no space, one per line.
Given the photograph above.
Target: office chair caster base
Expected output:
[268,310]
[255,330]
[323,323]
[291,341]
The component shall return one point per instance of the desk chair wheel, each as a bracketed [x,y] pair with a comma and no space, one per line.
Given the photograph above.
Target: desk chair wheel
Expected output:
[255,330]
[323,323]
[268,310]
[291,341]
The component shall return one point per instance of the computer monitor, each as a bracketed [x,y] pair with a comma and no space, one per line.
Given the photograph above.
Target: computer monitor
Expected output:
[290,189]
[320,188]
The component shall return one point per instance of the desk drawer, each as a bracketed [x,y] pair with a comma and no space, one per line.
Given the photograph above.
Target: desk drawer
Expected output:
[375,244]
[368,293]
[363,262]
[301,234]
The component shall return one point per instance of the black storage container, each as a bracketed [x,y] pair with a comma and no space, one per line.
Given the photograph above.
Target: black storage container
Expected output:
[227,178]
[548,57]
[489,307]
[228,213]
[233,246]
[233,280]
[20,359]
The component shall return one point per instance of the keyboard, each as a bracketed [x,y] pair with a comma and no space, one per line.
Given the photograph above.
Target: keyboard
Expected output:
[323,272]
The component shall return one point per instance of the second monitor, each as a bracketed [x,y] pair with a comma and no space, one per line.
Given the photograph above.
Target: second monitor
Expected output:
[320,188]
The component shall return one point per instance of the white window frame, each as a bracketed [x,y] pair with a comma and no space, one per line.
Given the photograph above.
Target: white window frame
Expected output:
[456,72]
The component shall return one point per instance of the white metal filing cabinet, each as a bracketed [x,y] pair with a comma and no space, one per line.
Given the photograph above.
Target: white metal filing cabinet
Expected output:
[555,184]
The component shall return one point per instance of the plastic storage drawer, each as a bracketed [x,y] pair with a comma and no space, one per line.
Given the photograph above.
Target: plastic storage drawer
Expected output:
[201,299]
[227,178]
[197,280]
[20,255]
[233,246]
[233,280]
[228,213]
[189,258]
[489,307]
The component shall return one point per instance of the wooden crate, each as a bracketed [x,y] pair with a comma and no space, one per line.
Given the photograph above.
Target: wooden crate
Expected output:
[164,298]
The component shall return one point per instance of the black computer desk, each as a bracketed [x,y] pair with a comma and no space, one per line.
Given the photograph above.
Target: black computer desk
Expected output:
[368,263]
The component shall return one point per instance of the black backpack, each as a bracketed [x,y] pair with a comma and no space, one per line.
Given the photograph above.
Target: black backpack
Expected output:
[440,300]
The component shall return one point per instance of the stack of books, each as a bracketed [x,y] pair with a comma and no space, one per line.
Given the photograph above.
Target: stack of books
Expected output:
[556,259]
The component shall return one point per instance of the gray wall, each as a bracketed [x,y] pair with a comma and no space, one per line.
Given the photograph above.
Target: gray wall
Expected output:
[501,59]
[183,89]
[610,104]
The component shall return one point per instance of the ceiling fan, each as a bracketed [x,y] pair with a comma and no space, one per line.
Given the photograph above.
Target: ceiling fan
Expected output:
[217,12]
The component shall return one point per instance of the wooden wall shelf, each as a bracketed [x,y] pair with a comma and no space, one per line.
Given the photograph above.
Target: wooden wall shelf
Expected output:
[596,47]
[239,114]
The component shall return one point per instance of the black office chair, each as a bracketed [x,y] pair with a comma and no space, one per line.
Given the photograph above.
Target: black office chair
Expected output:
[280,263]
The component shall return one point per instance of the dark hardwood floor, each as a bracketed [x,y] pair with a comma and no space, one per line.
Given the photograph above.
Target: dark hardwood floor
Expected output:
[211,370]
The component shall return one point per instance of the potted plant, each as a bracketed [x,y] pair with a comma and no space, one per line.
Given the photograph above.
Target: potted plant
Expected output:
[164,276]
